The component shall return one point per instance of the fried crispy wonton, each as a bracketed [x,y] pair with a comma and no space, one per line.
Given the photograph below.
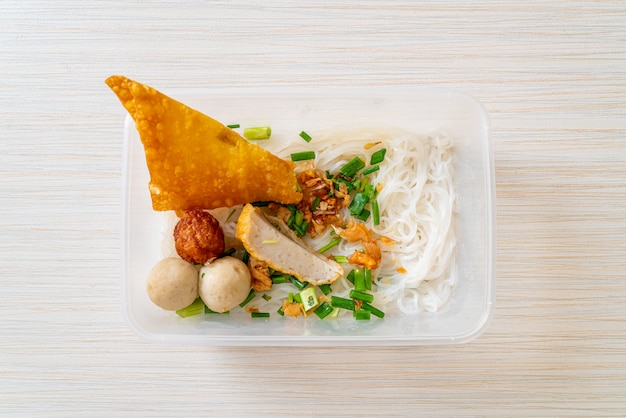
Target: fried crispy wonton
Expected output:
[195,161]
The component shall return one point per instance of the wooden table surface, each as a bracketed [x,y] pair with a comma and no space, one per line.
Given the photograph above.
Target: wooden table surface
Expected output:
[551,74]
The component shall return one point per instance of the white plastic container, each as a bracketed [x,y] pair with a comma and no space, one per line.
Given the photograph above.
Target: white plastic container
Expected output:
[289,111]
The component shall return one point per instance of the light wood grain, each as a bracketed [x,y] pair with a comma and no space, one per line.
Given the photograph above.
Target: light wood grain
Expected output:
[551,74]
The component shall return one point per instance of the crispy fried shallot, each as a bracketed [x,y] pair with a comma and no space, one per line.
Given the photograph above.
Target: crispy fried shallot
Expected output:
[358,232]
[260,273]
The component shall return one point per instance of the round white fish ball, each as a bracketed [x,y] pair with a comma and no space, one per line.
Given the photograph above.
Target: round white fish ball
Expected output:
[224,283]
[173,284]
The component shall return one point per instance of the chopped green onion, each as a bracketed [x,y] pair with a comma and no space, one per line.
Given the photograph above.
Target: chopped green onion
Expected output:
[367,273]
[196,308]
[349,185]
[280,311]
[358,203]
[297,298]
[366,306]
[262,203]
[266,297]
[370,170]
[378,156]
[375,212]
[297,283]
[359,279]
[330,245]
[325,288]
[308,298]
[342,303]
[260,314]
[323,310]
[246,257]
[254,134]
[299,218]
[251,296]
[369,191]
[208,310]
[350,276]
[352,167]
[278,279]
[366,297]
[290,297]
[341,259]
[302,156]
[233,126]
[305,136]
[361,315]
[315,204]
[364,182]
[301,229]
[363,215]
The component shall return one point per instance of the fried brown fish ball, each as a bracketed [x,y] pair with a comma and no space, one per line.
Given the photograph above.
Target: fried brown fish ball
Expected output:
[198,237]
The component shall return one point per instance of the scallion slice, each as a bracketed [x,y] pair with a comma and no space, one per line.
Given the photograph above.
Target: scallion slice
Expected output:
[315,204]
[370,170]
[303,155]
[266,297]
[299,218]
[349,185]
[341,259]
[358,203]
[257,133]
[343,303]
[350,276]
[251,296]
[279,279]
[233,126]
[361,315]
[196,308]
[364,215]
[369,191]
[375,311]
[366,297]
[325,288]
[352,167]
[375,212]
[323,310]
[378,156]
[260,314]
[297,283]
[305,136]
[330,245]
[359,279]
[367,277]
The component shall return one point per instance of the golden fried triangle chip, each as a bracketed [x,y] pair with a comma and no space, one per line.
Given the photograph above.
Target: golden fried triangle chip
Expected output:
[195,161]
